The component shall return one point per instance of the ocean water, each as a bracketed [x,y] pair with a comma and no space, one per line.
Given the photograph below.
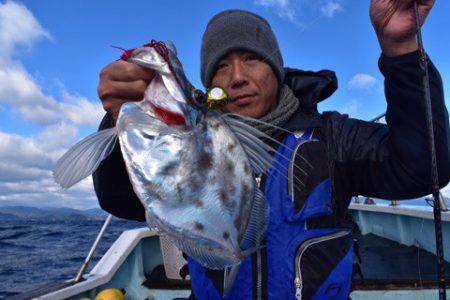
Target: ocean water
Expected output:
[34,253]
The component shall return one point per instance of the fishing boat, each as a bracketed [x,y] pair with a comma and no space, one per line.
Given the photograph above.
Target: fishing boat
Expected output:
[396,246]
[143,265]
[395,259]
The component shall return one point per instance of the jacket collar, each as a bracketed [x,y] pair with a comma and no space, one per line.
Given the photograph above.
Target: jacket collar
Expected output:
[310,88]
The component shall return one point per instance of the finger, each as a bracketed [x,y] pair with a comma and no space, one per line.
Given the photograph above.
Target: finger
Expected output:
[126,71]
[132,90]
[424,8]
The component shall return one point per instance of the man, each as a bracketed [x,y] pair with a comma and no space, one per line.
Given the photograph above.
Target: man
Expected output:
[308,251]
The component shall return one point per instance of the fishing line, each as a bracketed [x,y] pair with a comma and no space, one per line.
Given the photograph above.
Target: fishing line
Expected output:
[434,172]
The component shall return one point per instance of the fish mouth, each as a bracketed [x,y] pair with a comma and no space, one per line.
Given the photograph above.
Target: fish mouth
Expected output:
[166,99]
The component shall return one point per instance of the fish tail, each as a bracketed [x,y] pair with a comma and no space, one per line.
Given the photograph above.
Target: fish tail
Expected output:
[83,158]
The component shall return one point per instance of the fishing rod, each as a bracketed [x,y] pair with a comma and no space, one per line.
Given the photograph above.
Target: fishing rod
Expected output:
[434,172]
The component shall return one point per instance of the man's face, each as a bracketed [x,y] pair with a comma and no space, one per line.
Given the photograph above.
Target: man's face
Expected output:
[250,83]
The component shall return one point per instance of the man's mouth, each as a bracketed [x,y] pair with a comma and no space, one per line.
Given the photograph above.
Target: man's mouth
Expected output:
[243,100]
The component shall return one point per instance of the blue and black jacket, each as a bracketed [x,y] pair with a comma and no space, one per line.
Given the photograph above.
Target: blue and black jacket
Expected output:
[309,241]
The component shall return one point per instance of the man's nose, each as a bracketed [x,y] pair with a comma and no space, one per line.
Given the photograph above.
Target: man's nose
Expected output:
[238,76]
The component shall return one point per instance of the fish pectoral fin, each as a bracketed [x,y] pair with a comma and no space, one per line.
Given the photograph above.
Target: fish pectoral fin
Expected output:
[84,157]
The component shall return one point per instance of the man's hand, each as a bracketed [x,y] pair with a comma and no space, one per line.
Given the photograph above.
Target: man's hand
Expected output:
[395,24]
[121,82]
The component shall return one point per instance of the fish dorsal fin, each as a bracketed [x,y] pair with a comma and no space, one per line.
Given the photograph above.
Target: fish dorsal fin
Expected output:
[84,157]
[259,151]
[259,158]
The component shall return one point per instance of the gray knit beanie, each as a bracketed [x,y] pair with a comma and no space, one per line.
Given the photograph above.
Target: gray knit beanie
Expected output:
[238,30]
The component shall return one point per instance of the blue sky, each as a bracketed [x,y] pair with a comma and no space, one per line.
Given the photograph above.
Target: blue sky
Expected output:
[52,51]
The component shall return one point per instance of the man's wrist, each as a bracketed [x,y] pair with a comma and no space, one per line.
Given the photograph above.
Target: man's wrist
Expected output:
[395,48]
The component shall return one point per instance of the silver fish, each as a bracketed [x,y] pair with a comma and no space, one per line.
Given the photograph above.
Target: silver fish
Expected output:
[192,168]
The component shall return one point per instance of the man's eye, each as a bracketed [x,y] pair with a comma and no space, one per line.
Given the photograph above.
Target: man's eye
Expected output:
[221,66]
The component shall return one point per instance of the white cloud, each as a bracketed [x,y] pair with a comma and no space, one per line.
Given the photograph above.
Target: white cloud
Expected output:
[12,172]
[19,90]
[17,87]
[284,8]
[329,9]
[18,27]
[26,169]
[300,11]
[23,151]
[26,163]
[57,136]
[362,81]
[67,199]
[35,153]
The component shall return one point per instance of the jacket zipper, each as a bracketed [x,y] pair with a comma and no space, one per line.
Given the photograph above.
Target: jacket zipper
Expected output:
[291,167]
[258,275]
[298,282]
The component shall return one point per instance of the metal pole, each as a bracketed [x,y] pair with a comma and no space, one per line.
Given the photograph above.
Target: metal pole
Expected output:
[91,252]
[378,118]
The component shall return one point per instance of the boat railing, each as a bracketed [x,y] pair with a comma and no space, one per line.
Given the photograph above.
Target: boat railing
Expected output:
[444,206]
[83,268]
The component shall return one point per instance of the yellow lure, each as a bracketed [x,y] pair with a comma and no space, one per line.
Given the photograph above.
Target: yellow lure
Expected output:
[216,98]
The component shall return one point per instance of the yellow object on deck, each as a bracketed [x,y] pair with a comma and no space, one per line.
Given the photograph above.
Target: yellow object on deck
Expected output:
[110,294]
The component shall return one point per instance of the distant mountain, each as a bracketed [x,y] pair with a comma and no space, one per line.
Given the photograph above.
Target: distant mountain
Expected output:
[8,217]
[8,213]
[96,213]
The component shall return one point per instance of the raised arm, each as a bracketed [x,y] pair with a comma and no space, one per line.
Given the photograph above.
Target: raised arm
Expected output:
[393,161]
